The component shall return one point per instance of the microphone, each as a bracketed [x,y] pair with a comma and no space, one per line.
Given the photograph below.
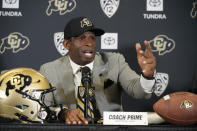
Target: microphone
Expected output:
[86,81]
[86,76]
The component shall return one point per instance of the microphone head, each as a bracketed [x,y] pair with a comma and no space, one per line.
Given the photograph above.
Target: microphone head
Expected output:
[85,70]
[86,75]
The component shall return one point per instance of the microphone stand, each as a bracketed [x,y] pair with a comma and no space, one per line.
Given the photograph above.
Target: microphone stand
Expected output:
[87,100]
[86,81]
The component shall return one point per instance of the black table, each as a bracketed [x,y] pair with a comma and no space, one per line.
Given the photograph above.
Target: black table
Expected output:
[63,127]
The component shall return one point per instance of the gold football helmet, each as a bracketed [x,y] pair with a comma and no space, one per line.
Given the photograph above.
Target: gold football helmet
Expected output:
[22,92]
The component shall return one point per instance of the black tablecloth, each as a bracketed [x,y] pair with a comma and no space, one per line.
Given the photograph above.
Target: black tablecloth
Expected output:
[63,127]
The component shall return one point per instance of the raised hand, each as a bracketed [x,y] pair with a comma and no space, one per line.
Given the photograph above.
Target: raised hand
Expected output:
[146,59]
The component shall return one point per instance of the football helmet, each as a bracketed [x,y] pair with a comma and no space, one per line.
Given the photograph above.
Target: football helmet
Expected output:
[22,93]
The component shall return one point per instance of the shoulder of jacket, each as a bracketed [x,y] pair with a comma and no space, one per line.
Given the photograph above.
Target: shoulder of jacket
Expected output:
[110,54]
[55,62]
[106,56]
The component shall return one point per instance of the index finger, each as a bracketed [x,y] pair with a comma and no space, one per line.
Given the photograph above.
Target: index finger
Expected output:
[139,49]
[148,48]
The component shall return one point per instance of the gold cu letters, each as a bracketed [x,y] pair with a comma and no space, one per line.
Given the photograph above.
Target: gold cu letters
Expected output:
[14,41]
[85,22]
[61,5]
[17,81]
[162,44]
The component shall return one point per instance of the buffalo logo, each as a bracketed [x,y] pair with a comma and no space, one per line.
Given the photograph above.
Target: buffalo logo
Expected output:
[14,41]
[162,44]
[154,3]
[85,22]
[18,81]
[58,41]
[63,6]
[193,12]
[109,7]
[109,41]
[161,83]
[186,104]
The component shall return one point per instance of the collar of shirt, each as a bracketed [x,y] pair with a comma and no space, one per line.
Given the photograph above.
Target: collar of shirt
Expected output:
[75,66]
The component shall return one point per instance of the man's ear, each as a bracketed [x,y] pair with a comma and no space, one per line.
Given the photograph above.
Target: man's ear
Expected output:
[66,44]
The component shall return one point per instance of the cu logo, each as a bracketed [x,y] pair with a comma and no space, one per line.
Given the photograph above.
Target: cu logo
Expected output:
[162,44]
[61,6]
[11,1]
[18,81]
[85,22]
[109,41]
[14,41]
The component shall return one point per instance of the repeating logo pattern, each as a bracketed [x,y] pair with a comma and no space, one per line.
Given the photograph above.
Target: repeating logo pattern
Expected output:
[15,42]
[58,41]
[109,41]
[193,12]
[109,7]
[162,44]
[61,6]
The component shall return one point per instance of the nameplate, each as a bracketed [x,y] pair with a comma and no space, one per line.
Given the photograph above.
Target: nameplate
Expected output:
[125,118]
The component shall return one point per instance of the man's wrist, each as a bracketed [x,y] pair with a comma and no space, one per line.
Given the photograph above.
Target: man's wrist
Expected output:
[148,77]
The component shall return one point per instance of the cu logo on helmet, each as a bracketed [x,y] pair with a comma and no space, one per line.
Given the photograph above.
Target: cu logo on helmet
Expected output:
[18,81]
[11,1]
[109,41]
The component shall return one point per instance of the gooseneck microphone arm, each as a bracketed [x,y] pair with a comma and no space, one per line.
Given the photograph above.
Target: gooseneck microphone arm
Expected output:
[86,81]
